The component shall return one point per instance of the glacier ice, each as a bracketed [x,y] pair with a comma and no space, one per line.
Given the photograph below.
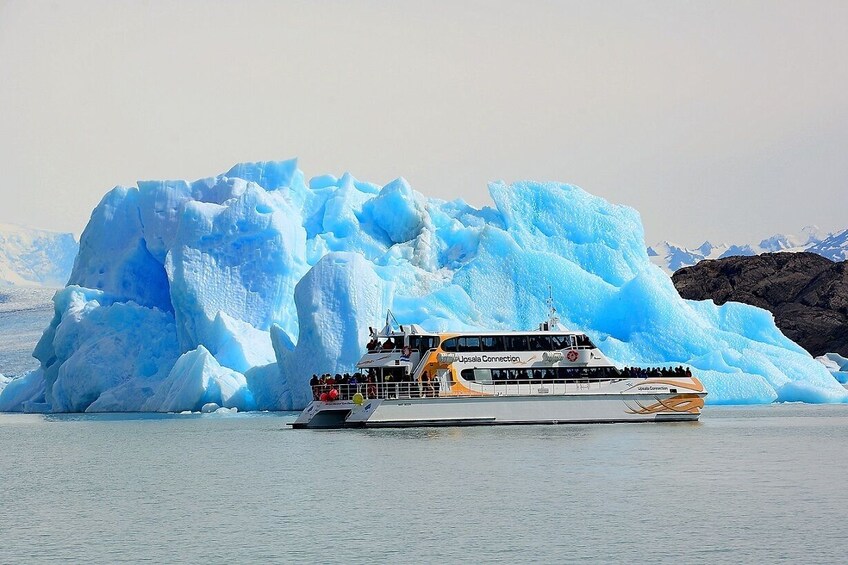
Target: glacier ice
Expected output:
[197,380]
[232,290]
[31,257]
[836,364]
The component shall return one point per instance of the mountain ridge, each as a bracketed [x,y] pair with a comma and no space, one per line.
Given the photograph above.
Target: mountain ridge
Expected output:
[671,257]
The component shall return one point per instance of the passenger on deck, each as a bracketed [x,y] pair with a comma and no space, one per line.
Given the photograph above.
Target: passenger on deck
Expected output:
[370,386]
[388,345]
[432,384]
[315,385]
[373,345]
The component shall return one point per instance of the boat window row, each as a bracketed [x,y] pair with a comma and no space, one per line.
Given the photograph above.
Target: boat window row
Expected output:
[471,344]
[548,374]
[423,342]
[416,343]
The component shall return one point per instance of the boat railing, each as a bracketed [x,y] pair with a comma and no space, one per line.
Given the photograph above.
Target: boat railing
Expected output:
[437,389]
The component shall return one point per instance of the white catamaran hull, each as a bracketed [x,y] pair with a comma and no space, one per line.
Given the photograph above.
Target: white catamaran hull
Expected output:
[665,406]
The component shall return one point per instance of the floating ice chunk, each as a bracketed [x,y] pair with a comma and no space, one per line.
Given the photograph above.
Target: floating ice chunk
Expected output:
[209,408]
[197,380]
[829,364]
[240,346]
[841,361]
[184,293]
[24,394]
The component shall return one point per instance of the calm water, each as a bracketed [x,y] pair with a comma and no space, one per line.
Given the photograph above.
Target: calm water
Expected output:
[763,485]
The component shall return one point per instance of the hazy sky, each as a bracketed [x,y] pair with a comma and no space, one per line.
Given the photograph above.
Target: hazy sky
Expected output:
[718,120]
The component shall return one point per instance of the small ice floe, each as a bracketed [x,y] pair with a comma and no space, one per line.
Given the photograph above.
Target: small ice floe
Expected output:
[836,364]
[209,407]
[212,408]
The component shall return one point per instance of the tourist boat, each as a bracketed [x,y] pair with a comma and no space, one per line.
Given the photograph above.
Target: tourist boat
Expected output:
[410,377]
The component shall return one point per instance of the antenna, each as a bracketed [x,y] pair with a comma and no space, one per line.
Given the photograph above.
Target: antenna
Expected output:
[553,320]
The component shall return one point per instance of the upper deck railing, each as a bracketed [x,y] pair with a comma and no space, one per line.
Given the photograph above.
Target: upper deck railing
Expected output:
[436,389]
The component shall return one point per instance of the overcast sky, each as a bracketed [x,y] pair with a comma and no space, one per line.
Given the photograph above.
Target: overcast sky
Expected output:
[725,121]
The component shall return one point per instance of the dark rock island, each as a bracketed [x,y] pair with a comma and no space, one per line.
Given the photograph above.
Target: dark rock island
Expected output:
[807,293]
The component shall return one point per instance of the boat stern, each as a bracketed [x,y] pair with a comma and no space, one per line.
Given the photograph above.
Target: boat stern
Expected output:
[336,414]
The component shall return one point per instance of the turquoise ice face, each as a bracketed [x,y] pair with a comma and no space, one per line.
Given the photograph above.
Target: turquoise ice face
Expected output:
[237,288]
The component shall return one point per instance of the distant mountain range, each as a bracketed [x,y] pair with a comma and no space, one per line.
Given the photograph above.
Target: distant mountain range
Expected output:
[31,257]
[671,257]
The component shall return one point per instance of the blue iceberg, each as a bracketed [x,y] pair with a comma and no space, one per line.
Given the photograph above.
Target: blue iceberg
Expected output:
[235,289]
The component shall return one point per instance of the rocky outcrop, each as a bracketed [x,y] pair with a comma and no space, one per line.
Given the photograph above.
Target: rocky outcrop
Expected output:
[807,293]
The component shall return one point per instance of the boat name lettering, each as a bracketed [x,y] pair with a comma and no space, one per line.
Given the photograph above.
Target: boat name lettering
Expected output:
[488,358]
[652,387]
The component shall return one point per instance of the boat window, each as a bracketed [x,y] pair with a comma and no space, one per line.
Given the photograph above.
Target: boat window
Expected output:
[468,374]
[540,343]
[469,344]
[516,343]
[483,376]
[493,343]
[566,373]
[423,343]
[449,344]
[498,375]
[558,341]
[583,341]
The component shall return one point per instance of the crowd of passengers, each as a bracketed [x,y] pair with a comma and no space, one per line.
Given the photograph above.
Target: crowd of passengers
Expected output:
[371,386]
[375,345]
[655,373]
[565,374]
[551,374]
[344,386]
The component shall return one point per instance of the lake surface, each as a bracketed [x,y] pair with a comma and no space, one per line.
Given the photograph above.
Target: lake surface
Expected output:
[753,485]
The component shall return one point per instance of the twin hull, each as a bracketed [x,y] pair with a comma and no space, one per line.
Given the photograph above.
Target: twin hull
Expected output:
[623,402]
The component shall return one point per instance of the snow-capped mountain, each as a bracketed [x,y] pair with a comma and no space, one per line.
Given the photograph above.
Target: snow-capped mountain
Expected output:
[32,257]
[834,247]
[671,257]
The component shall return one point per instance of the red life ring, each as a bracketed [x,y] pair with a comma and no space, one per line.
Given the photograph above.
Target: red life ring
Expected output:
[572,356]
